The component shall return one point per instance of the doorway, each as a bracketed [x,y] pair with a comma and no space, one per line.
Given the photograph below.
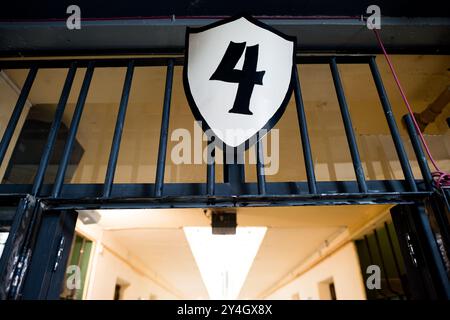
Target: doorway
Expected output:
[275,253]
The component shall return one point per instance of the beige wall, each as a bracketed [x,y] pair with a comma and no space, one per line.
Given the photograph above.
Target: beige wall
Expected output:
[111,263]
[110,269]
[342,267]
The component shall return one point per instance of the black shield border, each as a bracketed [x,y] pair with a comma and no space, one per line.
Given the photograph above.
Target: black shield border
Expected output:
[196,112]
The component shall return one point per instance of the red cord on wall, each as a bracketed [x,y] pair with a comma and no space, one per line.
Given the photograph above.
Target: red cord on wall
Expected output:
[441,178]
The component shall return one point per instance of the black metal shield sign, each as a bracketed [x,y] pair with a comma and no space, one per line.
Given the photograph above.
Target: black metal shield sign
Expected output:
[238,78]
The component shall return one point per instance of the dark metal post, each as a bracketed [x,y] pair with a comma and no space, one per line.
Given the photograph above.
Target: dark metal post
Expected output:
[114,155]
[420,155]
[369,251]
[50,254]
[306,145]
[359,171]
[161,164]
[392,125]
[432,250]
[211,167]
[383,264]
[16,239]
[372,261]
[7,135]
[426,273]
[394,256]
[234,173]
[48,149]
[437,207]
[260,167]
[59,181]
[210,178]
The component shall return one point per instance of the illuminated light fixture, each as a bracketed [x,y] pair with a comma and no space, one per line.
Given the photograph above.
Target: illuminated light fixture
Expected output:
[224,260]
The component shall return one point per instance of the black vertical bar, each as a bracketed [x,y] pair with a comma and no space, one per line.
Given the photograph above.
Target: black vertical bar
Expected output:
[226,174]
[369,251]
[211,176]
[15,116]
[372,261]
[161,164]
[383,264]
[420,285]
[210,171]
[115,146]
[234,172]
[48,149]
[392,125]
[260,167]
[436,206]
[391,246]
[359,171]
[432,250]
[420,155]
[73,131]
[226,166]
[306,145]
[51,251]
[210,164]
[14,244]
[425,268]
[59,269]
[27,249]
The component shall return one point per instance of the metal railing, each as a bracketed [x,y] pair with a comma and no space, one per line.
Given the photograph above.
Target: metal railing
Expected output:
[38,201]
[234,190]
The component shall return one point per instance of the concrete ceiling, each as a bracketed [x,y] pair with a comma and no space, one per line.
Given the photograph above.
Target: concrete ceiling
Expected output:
[56,9]
[166,252]
[167,34]
[157,238]
[273,217]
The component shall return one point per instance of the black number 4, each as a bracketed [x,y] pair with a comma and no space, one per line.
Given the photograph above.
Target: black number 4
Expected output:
[247,77]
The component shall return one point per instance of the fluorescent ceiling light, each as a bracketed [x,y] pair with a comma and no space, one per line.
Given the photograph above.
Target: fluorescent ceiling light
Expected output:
[224,260]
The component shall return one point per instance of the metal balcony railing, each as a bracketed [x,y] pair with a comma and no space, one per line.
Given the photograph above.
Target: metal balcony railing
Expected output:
[234,190]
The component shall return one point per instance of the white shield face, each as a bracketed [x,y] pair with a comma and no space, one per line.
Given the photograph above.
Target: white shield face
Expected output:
[237,78]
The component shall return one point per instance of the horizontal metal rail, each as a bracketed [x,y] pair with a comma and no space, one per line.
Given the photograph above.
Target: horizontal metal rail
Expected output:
[155,62]
[273,189]
[203,201]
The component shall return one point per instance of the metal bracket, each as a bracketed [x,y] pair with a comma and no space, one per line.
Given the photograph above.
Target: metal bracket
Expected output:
[411,251]
[59,253]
